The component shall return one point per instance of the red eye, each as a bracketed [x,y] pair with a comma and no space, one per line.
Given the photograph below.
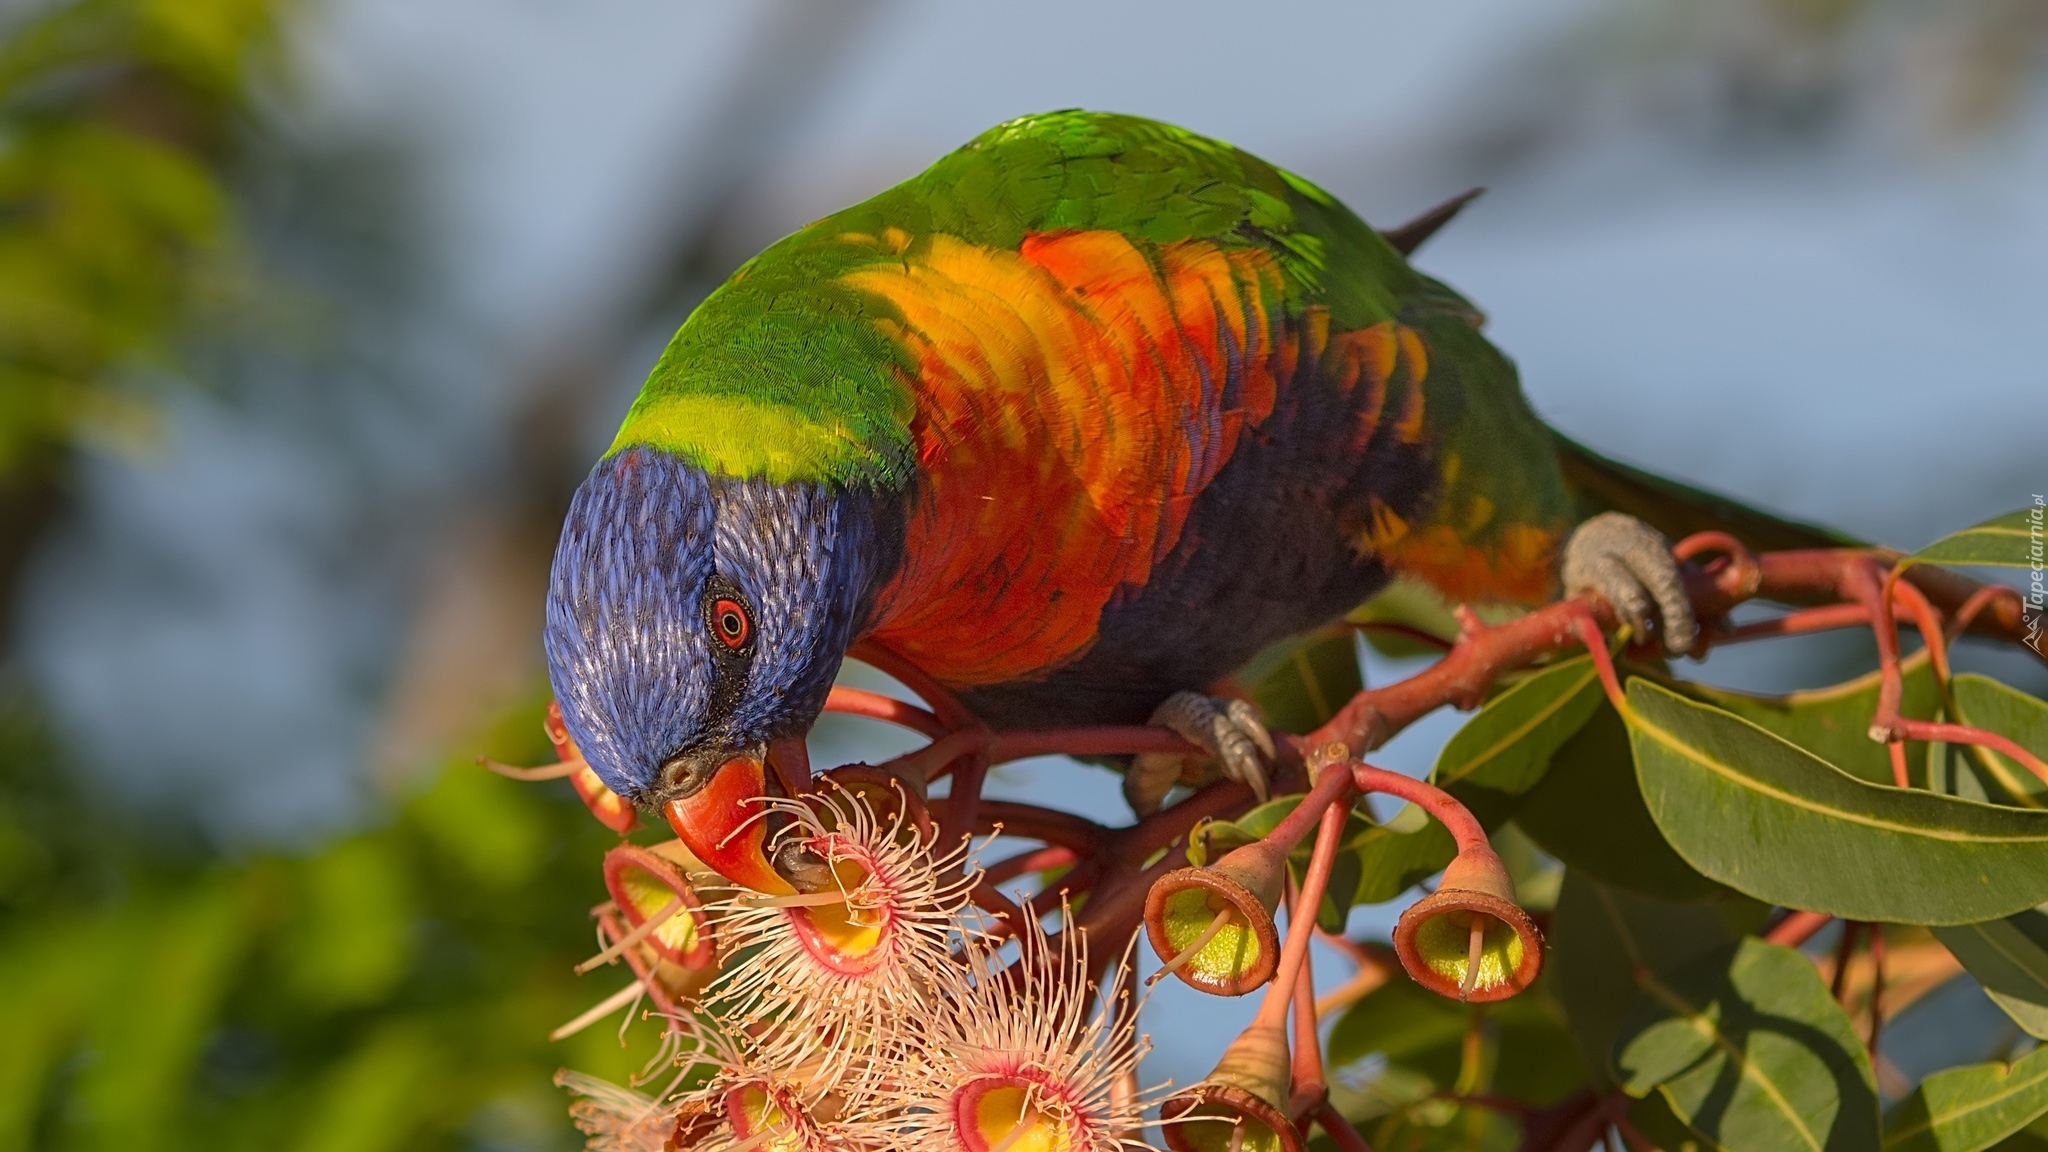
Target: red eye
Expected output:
[729,622]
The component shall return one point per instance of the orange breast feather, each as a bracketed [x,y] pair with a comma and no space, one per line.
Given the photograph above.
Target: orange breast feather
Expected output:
[1073,399]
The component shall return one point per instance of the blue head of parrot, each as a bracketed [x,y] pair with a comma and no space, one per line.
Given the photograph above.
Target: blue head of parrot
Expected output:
[692,621]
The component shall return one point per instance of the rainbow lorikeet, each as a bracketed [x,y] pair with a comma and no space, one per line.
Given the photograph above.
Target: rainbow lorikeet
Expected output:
[1077,420]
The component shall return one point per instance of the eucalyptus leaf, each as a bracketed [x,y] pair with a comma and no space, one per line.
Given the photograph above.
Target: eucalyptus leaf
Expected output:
[1393,860]
[1602,935]
[1301,682]
[2009,957]
[1833,723]
[2032,1138]
[1982,702]
[1770,819]
[1493,760]
[1656,1122]
[1440,1125]
[1417,1031]
[1588,812]
[1970,1108]
[1411,604]
[2003,541]
[1750,1051]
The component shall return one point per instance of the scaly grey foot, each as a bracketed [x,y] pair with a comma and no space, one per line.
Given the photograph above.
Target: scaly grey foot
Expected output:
[1629,564]
[1230,731]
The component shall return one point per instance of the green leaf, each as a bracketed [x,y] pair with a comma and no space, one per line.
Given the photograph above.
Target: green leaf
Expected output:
[1399,854]
[489,824]
[1339,893]
[1300,683]
[349,939]
[1655,1122]
[1489,764]
[1770,819]
[2008,541]
[1970,1108]
[375,1099]
[1834,723]
[2009,957]
[1445,1126]
[1419,1032]
[1602,935]
[1411,604]
[1503,750]
[47,979]
[2033,1138]
[1982,702]
[1749,1050]
[1589,813]
[148,1036]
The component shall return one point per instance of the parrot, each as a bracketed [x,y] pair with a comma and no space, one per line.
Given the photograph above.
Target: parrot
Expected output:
[1076,421]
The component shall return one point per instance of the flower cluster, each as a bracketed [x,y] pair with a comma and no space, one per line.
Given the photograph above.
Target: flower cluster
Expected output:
[873,1012]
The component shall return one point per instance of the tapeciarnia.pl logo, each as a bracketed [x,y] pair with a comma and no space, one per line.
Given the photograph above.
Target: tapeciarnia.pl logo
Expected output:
[2036,608]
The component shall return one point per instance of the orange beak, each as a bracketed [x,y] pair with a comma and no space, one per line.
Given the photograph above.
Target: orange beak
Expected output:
[721,825]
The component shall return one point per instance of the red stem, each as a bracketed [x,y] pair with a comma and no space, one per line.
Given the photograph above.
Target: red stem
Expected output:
[989,899]
[1051,825]
[1104,740]
[1929,624]
[935,759]
[1311,1088]
[1339,1130]
[1035,860]
[1461,677]
[1080,878]
[1334,788]
[1805,620]
[1588,1129]
[1964,734]
[1481,654]
[1967,614]
[790,759]
[1273,1008]
[1844,951]
[875,706]
[1455,817]
[1114,911]
[1866,586]
[964,801]
[1797,928]
[944,704]
[1876,985]
[1603,662]
[1747,571]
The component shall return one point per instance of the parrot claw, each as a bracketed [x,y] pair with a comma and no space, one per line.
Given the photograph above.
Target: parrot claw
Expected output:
[1629,564]
[1229,730]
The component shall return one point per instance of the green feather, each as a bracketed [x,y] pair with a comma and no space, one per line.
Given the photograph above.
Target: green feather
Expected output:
[784,373]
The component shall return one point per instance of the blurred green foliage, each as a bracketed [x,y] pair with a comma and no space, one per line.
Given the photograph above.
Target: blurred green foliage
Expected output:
[117,118]
[393,990]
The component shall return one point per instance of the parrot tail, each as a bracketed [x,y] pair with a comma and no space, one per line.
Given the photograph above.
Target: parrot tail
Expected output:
[1599,484]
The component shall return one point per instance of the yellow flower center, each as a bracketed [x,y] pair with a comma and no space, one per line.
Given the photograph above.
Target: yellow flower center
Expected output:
[1444,942]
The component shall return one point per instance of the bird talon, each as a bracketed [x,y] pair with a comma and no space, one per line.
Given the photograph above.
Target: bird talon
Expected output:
[1228,730]
[1629,564]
